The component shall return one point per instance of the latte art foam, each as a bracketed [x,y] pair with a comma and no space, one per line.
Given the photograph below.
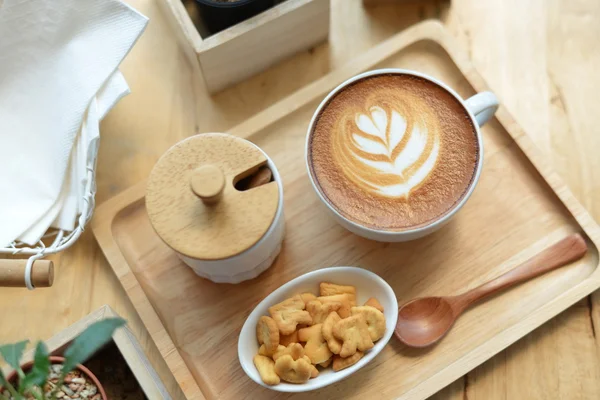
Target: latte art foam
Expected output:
[390,150]
[393,151]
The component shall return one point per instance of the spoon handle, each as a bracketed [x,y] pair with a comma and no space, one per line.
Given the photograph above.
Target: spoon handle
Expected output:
[571,248]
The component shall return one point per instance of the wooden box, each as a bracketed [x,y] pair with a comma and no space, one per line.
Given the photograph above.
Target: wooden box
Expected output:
[249,47]
[127,346]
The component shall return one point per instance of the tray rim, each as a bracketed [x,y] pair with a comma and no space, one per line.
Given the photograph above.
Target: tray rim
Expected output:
[432,30]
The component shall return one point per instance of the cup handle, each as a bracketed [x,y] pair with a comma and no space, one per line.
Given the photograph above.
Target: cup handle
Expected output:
[483,106]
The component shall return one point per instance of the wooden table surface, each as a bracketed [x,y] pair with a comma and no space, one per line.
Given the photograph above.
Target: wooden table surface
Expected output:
[541,57]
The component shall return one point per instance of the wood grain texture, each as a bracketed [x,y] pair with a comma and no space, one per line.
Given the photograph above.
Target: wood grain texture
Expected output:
[12,273]
[426,320]
[527,215]
[535,54]
[548,53]
[207,182]
[564,252]
[234,220]
[249,47]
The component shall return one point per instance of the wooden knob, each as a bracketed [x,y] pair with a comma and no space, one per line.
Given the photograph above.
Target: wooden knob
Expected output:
[12,273]
[208,182]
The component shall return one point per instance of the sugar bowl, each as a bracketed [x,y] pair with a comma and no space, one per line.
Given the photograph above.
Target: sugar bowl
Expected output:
[217,201]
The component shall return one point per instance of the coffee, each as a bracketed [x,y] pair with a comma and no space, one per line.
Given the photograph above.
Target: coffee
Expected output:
[393,152]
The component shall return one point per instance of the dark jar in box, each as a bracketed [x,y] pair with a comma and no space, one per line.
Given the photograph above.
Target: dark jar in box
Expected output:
[218,15]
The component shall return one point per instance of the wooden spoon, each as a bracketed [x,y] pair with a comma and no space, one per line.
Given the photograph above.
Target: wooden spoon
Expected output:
[424,321]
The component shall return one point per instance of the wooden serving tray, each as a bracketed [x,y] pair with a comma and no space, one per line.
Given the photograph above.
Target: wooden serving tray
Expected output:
[519,207]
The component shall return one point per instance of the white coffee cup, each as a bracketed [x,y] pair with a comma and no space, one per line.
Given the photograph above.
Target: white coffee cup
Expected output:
[480,108]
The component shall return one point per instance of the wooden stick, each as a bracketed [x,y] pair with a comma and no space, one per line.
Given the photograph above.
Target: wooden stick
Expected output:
[570,249]
[261,177]
[12,273]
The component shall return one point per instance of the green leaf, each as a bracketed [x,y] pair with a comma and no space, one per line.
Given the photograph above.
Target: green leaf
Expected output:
[37,393]
[41,367]
[6,385]
[12,353]
[91,339]
[3,381]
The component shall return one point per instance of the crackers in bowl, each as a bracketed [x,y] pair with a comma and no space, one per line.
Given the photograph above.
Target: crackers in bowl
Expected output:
[311,335]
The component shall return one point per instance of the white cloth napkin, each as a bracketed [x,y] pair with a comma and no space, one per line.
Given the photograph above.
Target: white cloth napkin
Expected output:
[58,79]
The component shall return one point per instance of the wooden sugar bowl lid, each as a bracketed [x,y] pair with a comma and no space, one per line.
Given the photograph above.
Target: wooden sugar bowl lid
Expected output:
[217,201]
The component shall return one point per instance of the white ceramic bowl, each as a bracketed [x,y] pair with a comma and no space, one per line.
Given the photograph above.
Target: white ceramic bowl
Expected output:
[367,285]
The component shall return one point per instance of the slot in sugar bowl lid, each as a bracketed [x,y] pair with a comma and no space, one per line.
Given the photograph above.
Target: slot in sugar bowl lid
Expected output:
[193,202]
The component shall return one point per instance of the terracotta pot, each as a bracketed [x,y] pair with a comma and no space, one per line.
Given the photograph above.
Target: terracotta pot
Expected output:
[59,360]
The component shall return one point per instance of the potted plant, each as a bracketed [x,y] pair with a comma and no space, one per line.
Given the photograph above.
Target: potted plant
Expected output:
[50,377]
[218,15]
